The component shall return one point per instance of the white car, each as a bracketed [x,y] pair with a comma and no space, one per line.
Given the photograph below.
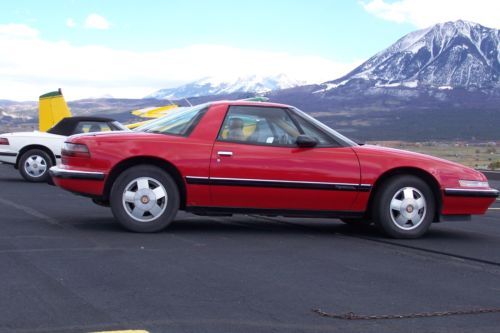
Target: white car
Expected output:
[33,153]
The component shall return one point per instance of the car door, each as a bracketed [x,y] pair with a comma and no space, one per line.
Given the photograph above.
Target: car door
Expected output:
[257,164]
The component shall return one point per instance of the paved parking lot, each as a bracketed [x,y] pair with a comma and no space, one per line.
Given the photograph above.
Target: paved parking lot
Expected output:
[66,266]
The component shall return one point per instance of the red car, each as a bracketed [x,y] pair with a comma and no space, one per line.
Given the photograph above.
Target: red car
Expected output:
[264,158]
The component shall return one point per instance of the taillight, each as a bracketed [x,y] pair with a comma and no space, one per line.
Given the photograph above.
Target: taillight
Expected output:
[4,141]
[75,150]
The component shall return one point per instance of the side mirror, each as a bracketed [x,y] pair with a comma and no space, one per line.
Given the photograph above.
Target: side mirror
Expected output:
[305,141]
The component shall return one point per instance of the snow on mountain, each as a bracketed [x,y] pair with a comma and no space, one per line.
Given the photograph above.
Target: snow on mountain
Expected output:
[12,115]
[217,86]
[445,56]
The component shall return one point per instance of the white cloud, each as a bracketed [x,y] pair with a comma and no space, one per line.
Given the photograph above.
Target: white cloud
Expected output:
[424,13]
[96,21]
[70,23]
[13,31]
[30,66]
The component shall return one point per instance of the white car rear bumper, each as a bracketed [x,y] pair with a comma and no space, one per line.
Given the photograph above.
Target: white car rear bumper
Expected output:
[8,156]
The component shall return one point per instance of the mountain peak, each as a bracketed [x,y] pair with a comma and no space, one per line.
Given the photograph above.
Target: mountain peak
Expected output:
[256,84]
[450,54]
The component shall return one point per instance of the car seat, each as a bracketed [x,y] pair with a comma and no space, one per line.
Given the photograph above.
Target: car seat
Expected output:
[236,129]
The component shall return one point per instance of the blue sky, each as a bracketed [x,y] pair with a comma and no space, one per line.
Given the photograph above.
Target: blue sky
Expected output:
[328,28]
[131,48]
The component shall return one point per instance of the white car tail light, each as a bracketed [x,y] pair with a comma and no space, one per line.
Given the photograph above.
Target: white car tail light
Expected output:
[4,141]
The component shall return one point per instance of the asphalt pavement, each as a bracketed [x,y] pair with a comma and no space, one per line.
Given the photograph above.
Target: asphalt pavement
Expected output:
[67,266]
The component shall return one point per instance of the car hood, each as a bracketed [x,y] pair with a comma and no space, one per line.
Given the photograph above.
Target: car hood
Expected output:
[389,152]
[403,158]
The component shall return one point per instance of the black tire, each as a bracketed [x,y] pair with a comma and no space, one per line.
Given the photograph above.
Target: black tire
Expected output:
[32,162]
[123,210]
[386,218]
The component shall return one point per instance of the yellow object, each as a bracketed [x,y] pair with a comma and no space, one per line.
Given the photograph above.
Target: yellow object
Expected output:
[52,108]
[134,125]
[154,112]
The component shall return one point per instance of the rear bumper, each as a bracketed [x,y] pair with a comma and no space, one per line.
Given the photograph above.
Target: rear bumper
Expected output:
[75,174]
[8,156]
[88,183]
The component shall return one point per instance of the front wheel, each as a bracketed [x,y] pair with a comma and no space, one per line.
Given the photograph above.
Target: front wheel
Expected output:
[404,207]
[144,199]
[34,166]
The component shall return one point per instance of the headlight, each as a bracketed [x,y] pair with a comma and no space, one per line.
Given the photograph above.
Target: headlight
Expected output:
[75,150]
[473,183]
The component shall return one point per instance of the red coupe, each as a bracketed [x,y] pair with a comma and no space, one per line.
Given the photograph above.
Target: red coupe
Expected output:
[264,158]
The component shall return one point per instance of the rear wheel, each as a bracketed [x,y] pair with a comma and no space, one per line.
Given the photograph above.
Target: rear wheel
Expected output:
[404,207]
[144,199]
[34,166]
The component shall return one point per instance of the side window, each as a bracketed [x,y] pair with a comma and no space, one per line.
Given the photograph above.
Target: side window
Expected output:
[91,127]
[312,131]
[258,125]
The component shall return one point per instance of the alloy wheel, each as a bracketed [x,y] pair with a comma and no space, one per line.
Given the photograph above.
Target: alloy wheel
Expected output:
[35,166]
[408,208]
[144,199]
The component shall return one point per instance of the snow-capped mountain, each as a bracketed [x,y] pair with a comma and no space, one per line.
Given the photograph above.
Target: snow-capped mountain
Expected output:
[212,86]
[449,55]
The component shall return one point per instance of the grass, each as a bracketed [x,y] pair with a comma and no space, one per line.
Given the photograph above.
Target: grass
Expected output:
[476,155]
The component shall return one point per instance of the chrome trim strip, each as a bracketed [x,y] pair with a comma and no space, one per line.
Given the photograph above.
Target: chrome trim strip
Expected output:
[470,192]
[470,189]
[58,172]
[277,183]
[283,181]
[8,154]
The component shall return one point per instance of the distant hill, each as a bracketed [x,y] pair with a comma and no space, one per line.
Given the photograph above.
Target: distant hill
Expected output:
[439,83]
[213,86]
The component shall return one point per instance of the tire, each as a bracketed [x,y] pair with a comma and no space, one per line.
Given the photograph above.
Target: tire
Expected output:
[404,207]
[144,199]
[34,166]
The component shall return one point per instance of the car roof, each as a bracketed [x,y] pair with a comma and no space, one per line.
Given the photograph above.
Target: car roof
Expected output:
[67,125]
[250,103]
[87,118]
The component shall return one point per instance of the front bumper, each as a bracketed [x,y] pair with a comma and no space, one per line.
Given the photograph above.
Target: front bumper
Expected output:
[476,193]
[463,201]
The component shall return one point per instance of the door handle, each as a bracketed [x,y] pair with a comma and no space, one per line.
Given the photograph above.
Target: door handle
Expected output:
[225,153]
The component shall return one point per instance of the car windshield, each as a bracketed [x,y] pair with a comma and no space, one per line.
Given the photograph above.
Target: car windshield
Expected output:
[177,122]
[326,128]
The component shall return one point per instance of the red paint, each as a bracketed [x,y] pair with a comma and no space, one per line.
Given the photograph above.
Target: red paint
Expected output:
[196,155]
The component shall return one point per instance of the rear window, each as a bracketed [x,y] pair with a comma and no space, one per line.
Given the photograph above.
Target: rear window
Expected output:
[176,123]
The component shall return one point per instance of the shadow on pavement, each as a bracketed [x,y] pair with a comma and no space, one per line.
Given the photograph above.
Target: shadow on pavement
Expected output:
[250,225]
